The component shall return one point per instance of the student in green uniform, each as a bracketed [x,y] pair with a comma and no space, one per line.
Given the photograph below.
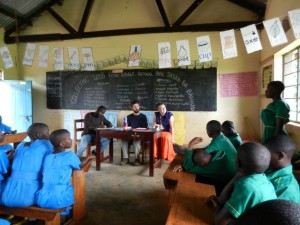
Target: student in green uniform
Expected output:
[280,172]
[229,131]
[248,188]
[215,163]
[276,115]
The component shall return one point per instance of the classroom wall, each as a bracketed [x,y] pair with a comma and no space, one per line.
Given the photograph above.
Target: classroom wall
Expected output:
[243,111]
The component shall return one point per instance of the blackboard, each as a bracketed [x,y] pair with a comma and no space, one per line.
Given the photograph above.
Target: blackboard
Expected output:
[178,89]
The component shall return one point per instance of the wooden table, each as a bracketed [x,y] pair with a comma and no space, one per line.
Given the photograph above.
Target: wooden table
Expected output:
[14,138]
[149,135]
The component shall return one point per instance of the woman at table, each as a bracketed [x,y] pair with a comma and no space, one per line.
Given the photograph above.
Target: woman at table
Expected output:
[163,120]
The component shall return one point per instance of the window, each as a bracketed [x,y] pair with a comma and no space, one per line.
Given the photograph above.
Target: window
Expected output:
[291,80]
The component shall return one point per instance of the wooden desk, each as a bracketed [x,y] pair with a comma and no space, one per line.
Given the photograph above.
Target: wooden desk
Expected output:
[14,138]
[134,134]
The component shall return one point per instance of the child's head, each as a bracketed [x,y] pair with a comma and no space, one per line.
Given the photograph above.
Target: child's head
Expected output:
[201,157]
[253,158]
[282,149]
[274,89]
[213,128]
[61,139]
[228,128]
[38,131]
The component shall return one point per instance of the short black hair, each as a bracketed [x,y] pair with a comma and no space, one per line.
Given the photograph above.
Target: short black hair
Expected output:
[228,125]
[253,158]
[101,108]
[281,143]
[277,86]
[36,129]
[134,102]
[214,127]
[159,104]
[273,212]
[57,136]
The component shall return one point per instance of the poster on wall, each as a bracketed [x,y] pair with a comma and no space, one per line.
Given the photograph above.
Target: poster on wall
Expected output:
[228,43]
[134,55]
[266,76]
[164,55]
[183,53]
[43,56]
[294,16]
[275,31]
[73,58]
[204,48]
[251,38]
[6,57]
[29,54]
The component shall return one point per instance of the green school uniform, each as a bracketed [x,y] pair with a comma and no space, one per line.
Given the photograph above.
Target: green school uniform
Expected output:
[236,140]
[222,167]
[248,192]
[286,186]
[278,109]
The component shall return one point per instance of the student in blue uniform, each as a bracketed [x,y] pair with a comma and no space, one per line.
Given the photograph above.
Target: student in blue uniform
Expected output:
[229,131]
[248,188]
[6,130]
[26,175]
[57,191]
[4,163]
[280,172]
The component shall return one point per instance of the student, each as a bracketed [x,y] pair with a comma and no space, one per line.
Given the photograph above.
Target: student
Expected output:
[6,130]
[276,115]
[134,120]
[229,131]
[248,188]
[57,191]
[4,164]
[92,121]
[273,212]
[280,172]
[26,175]
[219,167]
[164,120]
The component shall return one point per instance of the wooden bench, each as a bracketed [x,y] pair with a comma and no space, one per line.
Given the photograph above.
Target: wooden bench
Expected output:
[15,139]
[52,216]
[187,198]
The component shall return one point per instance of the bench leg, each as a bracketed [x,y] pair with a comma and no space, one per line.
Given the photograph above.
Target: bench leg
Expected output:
[55,221]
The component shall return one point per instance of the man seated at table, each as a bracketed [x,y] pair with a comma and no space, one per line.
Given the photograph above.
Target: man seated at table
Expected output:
[93,120]
[134,120]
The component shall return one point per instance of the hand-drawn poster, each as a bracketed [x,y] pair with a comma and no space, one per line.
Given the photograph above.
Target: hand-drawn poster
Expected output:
[164,55]
[275,31]
[204,48]
[6,57]
[134,55]
[73,58]
[228,43]
[239,84]
[43,56]
[251,38]
[294,16]
[88,59]
[58,55]
[183,53]
[266,76]
[29,54]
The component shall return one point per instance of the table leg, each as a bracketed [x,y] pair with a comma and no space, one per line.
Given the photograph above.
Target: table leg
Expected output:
[151,157]
[98,154]
[111,150]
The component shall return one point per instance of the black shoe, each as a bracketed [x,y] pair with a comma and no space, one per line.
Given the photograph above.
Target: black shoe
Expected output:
[94,152]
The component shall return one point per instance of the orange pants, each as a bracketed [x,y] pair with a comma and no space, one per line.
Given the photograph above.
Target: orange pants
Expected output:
[167,150]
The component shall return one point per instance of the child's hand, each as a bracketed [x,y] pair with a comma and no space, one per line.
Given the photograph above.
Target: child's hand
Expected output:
[91,157]
[213,201]
[177,168]
[194,141]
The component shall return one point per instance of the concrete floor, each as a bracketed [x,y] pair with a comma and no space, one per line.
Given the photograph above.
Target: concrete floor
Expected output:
[119,195]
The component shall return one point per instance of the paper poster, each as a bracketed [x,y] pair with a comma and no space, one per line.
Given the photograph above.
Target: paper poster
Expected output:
[204,48]
[251,38]
[43,56]
[239,84]
[164,55]
[275,32]
[294,16]
[88,59]
[58,56]
[183,53]
[6,57]
[29,54]
[266,76]
[228,44]
[74,63]
[134,55]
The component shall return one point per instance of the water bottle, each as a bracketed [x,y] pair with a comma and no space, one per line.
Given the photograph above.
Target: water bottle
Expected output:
[124,125]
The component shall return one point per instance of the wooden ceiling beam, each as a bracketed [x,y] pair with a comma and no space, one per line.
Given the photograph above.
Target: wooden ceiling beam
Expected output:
[163,13]
[86,15]
[186,14]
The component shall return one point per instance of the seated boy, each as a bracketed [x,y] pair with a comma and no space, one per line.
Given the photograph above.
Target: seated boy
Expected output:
[280,172]
[229,131]
[219,164]
[248,188]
